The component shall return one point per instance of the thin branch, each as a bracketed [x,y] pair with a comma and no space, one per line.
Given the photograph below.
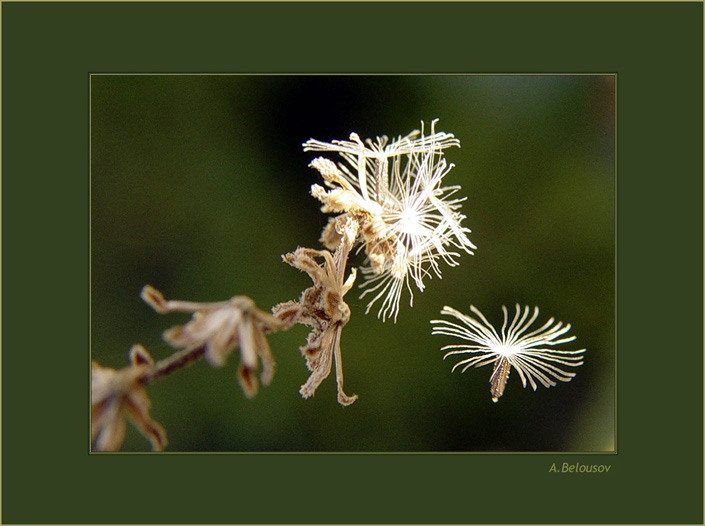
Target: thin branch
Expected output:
[172,363]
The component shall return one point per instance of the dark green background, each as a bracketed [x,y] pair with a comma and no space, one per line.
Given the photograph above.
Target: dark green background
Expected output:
[48,51]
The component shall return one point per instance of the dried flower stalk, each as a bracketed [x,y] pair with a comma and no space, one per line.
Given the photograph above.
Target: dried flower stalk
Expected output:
[387,198]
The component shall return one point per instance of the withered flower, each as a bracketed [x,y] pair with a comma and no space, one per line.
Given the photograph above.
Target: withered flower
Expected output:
[219,327]
[322,308]
[120,394]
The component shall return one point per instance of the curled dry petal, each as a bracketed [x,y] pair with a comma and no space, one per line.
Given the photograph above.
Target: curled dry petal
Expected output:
[139,356]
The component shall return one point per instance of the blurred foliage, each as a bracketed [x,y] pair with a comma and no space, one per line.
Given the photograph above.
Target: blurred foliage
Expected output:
[199,184]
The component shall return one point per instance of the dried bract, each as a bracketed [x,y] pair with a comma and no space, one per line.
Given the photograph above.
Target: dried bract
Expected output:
[322,308]
[220,327]
[531,354]
[117,395]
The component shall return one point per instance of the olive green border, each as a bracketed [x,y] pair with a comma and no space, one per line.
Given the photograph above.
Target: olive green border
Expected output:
[48,51]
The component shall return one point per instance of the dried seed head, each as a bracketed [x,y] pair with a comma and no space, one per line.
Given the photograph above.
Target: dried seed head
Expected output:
[408,221]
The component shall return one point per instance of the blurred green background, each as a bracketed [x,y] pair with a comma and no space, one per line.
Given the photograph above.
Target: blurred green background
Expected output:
[199,184]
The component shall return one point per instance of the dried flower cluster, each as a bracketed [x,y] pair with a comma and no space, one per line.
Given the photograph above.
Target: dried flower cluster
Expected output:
[219,328]
[389,201]
[213,332]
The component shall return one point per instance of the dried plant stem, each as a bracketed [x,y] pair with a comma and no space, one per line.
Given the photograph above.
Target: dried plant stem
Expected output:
[176,361]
